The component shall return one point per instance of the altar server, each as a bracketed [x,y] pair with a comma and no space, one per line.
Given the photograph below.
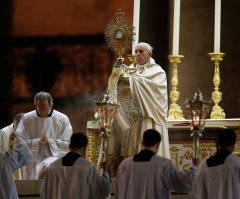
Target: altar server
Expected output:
[9,162]
[148,175]
[219,176]
[74,177]
[47,133]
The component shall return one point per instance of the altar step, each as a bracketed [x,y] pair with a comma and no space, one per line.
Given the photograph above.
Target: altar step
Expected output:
[30,189]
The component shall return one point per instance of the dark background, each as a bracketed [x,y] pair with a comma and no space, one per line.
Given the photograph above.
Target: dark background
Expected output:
[59,47]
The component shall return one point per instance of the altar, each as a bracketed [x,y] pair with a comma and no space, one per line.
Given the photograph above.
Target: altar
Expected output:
[181,143]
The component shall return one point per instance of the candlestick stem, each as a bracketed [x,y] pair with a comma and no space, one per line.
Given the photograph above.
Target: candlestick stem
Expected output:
[175,112]
[217,111]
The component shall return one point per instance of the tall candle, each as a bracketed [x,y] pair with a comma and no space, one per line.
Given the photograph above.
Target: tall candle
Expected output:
[217,26]
[176,22]
[136,19]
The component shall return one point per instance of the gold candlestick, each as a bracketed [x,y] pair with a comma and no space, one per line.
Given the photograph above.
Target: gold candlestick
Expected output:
[217,111]
[175,112]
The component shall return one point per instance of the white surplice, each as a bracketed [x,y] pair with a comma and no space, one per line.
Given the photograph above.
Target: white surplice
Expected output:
[9,162]
[81,180]
[218,182]
[151,179]
[143,105]
[58,131]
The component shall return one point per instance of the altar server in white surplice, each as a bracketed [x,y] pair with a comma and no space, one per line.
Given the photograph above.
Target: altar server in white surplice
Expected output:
[73,176]
[143,102]
[9,162]
[47,133]
[148,175]
[219,176]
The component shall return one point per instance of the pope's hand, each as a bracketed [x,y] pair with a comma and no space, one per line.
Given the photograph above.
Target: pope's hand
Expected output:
[118,65]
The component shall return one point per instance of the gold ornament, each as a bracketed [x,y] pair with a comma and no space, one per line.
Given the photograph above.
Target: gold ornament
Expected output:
[217,111]
[119,33]
[175,112]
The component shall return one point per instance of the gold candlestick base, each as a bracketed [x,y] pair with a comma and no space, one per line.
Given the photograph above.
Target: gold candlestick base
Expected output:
[217,111]
[175,111]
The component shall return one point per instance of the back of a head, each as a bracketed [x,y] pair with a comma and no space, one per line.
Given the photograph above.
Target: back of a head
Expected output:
[18,118]
[151,137]
[78,140]
[42,96]
[226,138]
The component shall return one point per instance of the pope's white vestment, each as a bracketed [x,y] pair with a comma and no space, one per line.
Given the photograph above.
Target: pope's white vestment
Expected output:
[9,162]
[81,180]
[58,131]
[151,179]
[143,105]
[218,182]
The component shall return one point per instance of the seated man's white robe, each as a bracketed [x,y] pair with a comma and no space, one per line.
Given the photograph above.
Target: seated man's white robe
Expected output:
[218,182]
[9,162]
[143,105]
[58,131]
[151,179]
[81,180]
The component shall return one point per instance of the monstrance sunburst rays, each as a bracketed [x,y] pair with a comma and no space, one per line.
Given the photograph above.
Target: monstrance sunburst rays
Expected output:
[119,33]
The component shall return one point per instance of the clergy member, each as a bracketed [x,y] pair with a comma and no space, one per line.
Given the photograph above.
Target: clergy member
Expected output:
[7,139]
[73,176]
[148,175]
[143,102]
[9,162]
[47,133]
[219,176]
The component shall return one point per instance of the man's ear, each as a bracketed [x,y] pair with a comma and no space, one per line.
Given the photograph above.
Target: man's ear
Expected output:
[232,147]
[85,147]
[51,105]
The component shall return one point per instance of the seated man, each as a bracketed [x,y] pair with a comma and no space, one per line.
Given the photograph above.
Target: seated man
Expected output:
[47,133]
[9,162]
[219,176]
[74,177]
[148,175]
[7,138]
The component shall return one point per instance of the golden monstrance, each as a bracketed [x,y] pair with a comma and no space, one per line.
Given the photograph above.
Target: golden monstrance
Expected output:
[119,34]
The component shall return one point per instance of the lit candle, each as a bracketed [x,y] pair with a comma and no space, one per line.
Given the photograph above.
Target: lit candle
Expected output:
[217,26]
[136,19]
[176,22]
